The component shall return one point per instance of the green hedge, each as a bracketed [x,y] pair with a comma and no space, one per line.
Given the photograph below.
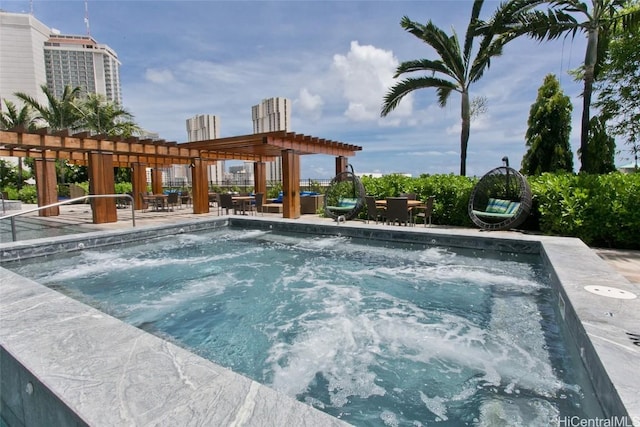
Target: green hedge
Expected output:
[602,210]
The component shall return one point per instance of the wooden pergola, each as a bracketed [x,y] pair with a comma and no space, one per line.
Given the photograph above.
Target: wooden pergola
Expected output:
[101,153]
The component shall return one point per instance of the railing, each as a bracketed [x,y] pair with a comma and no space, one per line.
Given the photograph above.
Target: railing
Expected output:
[67,202]
[246,185]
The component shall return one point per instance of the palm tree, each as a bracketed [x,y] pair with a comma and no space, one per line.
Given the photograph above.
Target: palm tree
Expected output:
[103,117]
[13,117]
[519,17]
[455,69]
[59,114]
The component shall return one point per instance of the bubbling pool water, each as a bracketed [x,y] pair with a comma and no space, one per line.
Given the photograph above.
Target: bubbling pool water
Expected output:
[375,334]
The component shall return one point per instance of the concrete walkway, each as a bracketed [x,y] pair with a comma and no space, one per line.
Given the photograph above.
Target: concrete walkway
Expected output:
[626,262]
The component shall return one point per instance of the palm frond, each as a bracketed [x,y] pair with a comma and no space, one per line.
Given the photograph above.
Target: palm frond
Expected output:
[412,27]
[406,86]
[471,29]
[571,6]
[33,103]
[443,95]
[550,25]
[482,60]
[629,20]
[507,17]
[434,66]
[447,47]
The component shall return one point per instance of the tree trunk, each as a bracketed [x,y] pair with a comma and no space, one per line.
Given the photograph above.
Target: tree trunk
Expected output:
[465,115]
[589,67]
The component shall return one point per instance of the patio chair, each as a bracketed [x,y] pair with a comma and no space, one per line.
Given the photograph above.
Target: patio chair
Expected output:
[172,200]
[214,198]
[185,198]
[374,211]
[398,211]
[425,212]
[259,199]
[248,206]
[144,198]
[226,203]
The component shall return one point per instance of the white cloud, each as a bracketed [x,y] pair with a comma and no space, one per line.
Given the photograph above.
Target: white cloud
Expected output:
[159,76]
[366,74]
[309,104]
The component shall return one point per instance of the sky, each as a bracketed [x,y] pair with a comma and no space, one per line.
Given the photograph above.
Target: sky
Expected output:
[335,60]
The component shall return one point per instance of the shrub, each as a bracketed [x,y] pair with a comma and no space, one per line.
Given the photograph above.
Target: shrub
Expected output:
[63,190]
[28,194]
[121,187]
[10,192]
[602,210]
[274,191]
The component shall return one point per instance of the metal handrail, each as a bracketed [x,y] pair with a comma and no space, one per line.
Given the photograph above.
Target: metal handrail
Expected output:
[67,202]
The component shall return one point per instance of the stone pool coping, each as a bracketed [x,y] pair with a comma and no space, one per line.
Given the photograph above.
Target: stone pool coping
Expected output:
[128,376]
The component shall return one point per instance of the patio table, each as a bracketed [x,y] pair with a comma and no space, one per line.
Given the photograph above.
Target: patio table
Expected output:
[244,202]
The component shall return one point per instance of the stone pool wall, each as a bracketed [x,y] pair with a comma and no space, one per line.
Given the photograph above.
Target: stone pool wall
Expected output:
[97,370]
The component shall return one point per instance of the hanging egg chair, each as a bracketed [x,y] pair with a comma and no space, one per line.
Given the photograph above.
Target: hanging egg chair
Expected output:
[344,197]
[501,199]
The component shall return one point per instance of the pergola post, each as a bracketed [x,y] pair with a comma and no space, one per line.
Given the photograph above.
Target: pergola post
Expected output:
[341,164]
[290,184]
[260,177]
[46,186]
[101,181]
[138,183]
[156,180]
[200,186]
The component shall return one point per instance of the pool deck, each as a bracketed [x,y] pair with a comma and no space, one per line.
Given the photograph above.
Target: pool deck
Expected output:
[604,319]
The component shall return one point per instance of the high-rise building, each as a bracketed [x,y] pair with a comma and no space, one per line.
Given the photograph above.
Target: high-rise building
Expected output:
[200,128]
[203,127]
[31,55]
[270,115]
[22,67]
[81,61]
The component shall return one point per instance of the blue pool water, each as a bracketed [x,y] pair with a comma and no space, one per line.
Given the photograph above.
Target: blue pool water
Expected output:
[372,333]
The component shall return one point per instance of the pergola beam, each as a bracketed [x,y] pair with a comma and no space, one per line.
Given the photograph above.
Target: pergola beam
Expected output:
[255,147]
[101,152]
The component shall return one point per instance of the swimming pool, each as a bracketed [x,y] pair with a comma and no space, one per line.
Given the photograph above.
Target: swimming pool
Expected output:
[309,351]
[375,334]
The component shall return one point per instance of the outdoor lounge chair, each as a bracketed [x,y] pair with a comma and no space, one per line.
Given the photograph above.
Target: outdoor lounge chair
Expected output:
[501,200]
[344,198]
